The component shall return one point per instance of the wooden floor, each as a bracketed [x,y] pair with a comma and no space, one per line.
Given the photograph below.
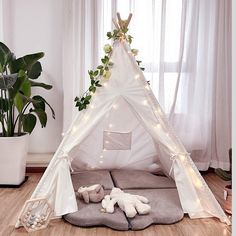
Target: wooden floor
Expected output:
[11,201]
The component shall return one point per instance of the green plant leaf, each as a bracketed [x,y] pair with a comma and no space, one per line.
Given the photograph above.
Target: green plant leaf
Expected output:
[21,76]
[4,104]
[38,103]
[6,55]
[26,88]
[25,63]
[42,85]
[39,98]
[29,122]
[35,70]
[87,98]
[19,101]
[42,116]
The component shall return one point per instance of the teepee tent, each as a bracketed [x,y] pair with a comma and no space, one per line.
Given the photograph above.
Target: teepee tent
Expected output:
[124,127]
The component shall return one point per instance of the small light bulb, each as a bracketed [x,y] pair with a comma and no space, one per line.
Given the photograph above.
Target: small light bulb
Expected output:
[104,149]
[101,156]
[158,126]
[147,87]
[92,93]
[137,76]
[101,161]
[145,102]
[110,125]
[105,84]
[198,183]
[92,106]
[106,142]
[182,157]
[62,134]
[115,106]
[198,201]
[74,129]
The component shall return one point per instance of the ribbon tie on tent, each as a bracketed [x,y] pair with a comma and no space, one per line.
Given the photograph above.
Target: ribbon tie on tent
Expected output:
[174,158]
[66,157]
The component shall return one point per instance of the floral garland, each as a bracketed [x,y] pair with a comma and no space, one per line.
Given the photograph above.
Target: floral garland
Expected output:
[103,70]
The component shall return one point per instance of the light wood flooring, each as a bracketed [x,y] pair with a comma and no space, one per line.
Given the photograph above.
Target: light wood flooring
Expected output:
[11,201]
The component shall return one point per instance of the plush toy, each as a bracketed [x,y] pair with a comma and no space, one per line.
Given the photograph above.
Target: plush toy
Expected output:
[93,193]
[130,204]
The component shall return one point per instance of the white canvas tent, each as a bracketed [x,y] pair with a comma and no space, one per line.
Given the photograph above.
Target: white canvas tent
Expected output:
[124,127]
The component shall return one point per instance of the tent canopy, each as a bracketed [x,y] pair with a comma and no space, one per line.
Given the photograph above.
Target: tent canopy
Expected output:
[124,127]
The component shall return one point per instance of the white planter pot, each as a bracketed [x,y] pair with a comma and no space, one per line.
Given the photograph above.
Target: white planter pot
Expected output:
[13,153]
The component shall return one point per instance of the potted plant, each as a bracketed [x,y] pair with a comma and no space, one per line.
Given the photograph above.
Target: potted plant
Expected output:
[227,176]
[19,110]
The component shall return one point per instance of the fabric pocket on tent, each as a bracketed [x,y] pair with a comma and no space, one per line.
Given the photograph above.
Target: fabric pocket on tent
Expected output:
[116,140]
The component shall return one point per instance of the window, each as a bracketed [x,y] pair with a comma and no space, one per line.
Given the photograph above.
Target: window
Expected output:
[155,26]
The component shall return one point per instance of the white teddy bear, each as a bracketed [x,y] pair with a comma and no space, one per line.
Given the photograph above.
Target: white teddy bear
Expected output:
[130,204]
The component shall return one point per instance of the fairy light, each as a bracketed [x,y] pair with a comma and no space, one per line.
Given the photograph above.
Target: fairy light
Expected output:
[198,201]
[74,129]
[191,170]
[62,134]
[105,84]
[115,106]
[101,156]
[198,183]
[92,106]
[92,93]
[158,126]
[101,161]
[145,102]
[137,76]
[182,157]
[147,87]
[104,149]
[110,125]
[106,142]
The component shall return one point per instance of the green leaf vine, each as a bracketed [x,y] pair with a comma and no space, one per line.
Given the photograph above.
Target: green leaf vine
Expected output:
[103,70]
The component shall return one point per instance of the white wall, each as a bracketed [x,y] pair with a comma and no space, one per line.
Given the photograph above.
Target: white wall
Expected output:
[30,26]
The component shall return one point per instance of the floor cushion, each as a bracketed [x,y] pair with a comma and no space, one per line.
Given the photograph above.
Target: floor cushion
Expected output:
[137,179]
[165,208]
[91,215]
[87,178]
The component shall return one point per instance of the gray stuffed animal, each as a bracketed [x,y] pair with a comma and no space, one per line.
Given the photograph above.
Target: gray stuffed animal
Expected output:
[93,193]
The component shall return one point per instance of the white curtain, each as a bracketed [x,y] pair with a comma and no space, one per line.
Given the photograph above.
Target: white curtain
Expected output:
[186,51]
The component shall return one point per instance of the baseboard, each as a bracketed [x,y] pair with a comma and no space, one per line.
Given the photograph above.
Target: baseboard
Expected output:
[38,160]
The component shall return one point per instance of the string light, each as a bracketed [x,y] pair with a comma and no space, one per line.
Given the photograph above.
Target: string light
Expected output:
[145,102]
[62,134]
[115,106]
[74,129]
[182,157]
[147,87]
[106,142]
[137,76]
[92,106]
[198,183]
[101,156]
[191,170]
[158,126]
[105,84]
[110,125]
[101,161]
[104,149]
[92,93]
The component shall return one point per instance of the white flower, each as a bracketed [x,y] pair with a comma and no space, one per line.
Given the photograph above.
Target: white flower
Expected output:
[134,51]
[106,74]
[107,48]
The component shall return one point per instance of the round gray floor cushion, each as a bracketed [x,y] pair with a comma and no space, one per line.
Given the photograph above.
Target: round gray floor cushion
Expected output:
[165,204]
